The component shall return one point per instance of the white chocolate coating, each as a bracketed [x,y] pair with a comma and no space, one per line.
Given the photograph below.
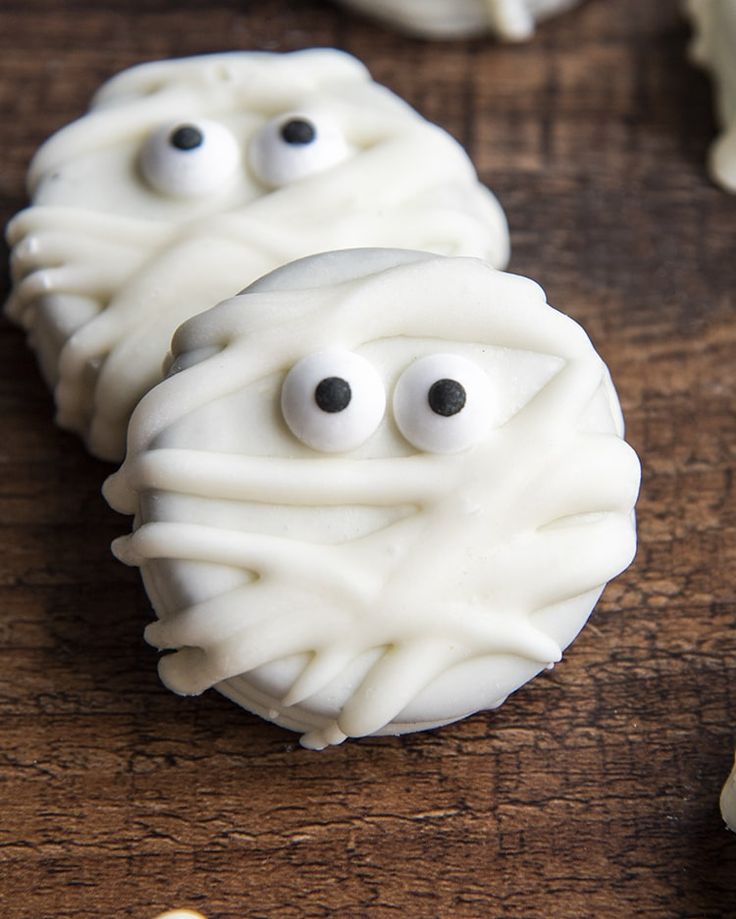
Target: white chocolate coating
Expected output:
[509,20]
[728,800]
[386,589]
[714,47]
[129,235]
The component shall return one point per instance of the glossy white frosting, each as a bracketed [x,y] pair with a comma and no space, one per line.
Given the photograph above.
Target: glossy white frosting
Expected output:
[714,47]
[728,800]
[385,589]
[129,236]
[509,20]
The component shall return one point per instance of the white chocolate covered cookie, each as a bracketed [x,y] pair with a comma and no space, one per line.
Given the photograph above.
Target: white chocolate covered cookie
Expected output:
[190,178]
[714,47]
[509,20]
[378,491]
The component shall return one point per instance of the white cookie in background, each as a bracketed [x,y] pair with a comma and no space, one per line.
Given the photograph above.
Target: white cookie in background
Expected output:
[509,20]
[714,47]
[190,178]
[379,491]
[728,800]
[180,914]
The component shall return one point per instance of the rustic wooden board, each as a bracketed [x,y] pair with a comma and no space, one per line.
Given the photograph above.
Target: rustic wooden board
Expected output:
[593,792]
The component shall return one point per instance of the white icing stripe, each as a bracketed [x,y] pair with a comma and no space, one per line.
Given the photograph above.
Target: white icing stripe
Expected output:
[407,480]
[395,679]
[262,554]
[412,479]
[296,619]
[246,73]
[126,230]
[70,251]
[510,18]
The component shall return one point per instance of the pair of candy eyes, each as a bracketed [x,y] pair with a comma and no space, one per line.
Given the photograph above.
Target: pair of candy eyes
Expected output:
[333,401]
[192,159]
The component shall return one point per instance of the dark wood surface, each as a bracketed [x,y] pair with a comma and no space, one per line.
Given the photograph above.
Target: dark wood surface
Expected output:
[593,791]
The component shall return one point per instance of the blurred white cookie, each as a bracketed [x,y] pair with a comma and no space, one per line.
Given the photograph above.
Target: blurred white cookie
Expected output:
[509,20]
[714,47]
[728,800]
[190,178]
[180,914]
[378,491]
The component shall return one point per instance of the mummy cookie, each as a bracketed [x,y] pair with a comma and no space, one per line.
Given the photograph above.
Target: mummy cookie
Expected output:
[377,492]
[188,179]
[714,48]
[509,20]
[728,801]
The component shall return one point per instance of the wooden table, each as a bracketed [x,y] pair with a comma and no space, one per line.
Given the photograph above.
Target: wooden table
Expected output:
[593,792]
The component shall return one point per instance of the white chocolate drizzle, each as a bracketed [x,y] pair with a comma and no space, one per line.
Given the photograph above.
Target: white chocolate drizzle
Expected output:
[508,20]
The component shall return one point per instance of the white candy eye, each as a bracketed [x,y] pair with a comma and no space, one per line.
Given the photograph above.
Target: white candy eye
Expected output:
[189,159]
[294,146]
[442,403]
[333,401]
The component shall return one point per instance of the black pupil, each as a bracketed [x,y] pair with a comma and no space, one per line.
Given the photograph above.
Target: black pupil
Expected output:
[333,394]
[446,397]
[298,131]
[187,137]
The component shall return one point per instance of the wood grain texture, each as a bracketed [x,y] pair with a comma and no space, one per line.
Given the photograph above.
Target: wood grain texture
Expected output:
[593,791]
